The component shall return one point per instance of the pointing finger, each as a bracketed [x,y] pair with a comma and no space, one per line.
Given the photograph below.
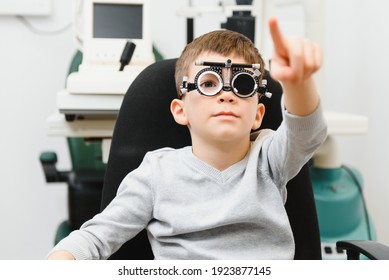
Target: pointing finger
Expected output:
[280,45]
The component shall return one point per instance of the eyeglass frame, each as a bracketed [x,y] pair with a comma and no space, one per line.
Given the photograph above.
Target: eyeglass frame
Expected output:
[237,69]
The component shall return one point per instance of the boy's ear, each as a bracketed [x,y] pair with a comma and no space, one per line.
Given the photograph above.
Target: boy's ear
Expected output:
[259,116]
[177,109]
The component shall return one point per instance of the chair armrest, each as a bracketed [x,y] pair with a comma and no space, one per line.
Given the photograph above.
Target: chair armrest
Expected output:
[48,161]
[371,249]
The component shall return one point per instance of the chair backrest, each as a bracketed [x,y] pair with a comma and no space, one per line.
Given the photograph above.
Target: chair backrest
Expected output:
[145,123]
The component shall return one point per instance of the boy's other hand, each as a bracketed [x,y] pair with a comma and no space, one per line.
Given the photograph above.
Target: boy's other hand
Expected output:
[294,59]
[61,255]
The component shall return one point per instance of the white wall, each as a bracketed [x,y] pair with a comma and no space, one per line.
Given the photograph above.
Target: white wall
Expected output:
[33,68]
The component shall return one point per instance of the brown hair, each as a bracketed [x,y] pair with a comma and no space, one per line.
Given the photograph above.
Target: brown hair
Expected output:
[224,42]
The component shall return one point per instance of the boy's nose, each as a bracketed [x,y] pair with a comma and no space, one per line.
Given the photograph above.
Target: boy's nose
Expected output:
[226,96]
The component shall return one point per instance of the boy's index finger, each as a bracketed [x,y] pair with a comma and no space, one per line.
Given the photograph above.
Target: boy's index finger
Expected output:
[280,45]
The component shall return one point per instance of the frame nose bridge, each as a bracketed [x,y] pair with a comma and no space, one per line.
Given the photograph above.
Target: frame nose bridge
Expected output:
[226,78]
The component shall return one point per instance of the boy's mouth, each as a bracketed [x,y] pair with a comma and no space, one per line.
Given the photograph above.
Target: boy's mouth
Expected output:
[225,113]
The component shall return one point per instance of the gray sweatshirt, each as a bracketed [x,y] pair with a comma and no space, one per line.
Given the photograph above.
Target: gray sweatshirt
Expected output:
[194,211]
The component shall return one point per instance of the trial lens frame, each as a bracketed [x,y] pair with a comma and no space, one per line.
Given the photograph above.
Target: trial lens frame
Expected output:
[237,69]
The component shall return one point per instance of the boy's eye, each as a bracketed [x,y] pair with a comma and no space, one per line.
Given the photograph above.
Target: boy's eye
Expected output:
[208,84]
[208,80]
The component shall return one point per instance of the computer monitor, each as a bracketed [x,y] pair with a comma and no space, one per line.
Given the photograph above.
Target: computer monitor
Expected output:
[108,26]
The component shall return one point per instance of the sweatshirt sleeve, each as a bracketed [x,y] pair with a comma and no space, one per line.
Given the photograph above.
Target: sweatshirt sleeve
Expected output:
[294,143]
[128,213]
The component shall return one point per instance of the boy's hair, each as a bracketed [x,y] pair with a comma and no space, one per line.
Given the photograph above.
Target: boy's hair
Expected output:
[224,42]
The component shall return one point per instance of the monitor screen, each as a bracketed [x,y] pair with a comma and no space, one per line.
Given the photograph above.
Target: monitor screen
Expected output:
[117,21]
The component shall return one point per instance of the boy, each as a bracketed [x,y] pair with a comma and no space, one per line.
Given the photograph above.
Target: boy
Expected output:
[223,197]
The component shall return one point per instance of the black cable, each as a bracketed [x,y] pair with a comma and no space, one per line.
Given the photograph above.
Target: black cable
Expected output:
[127,53]
[354,178]
[42,32]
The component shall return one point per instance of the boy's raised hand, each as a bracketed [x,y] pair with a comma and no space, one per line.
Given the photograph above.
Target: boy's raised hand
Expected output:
[294,59]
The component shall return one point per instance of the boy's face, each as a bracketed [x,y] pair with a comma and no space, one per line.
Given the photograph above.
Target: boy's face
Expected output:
[223,117]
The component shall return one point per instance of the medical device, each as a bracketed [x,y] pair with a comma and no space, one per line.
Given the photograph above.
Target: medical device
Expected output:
[109,24]
[116,47]
[242,82]
[242,20]
[340,204]
[239,17]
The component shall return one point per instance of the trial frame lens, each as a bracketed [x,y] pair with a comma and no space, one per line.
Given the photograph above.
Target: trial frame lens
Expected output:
[209,82]
[244,84]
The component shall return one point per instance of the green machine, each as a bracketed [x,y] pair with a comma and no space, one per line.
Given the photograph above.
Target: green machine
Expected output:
[340,204]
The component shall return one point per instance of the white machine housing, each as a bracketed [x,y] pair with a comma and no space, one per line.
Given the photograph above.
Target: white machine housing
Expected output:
[108,26]
[98,86]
